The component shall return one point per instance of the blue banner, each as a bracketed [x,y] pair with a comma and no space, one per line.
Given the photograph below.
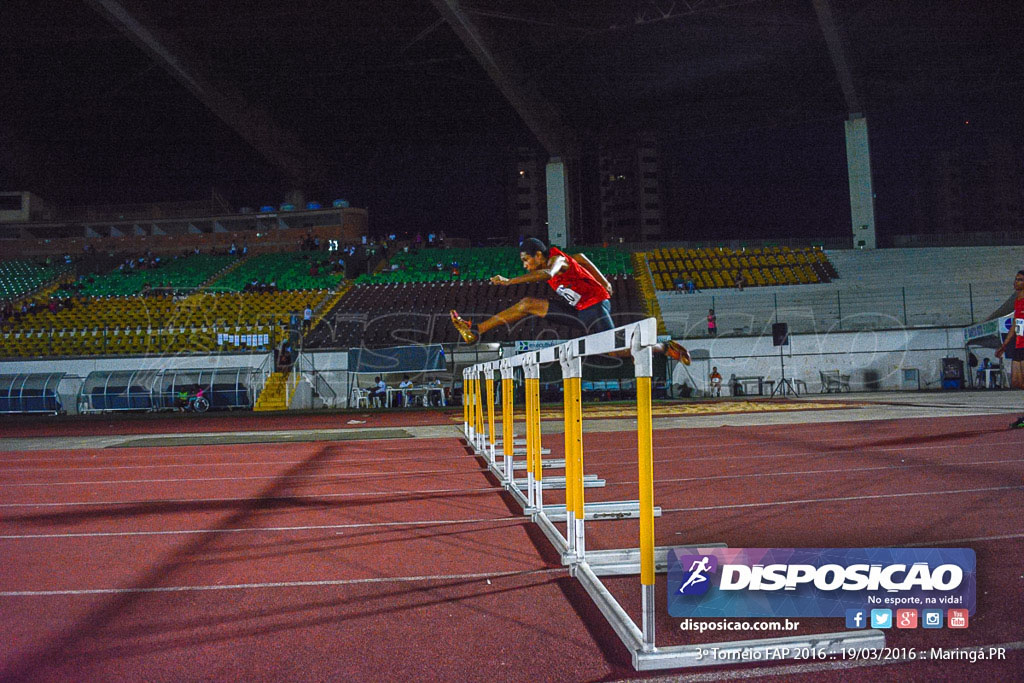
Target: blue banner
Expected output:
[817,582]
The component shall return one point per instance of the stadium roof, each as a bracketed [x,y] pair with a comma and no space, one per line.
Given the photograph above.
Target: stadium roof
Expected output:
[98,91]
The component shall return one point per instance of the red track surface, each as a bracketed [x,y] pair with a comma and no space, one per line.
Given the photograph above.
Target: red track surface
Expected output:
[400,559]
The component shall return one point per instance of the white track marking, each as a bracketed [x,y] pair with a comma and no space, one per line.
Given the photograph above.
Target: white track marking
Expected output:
[281,584]
[840,499]
[250,499]
[274,529]
[798,473]
[325,477]
[951,541]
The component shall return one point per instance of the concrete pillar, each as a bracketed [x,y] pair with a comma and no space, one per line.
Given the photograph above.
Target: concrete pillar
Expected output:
[862,196]
[558,202]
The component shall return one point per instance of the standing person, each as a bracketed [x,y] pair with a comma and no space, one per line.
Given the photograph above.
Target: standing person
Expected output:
[712,323]
[1014,342]
[582,292]
[307,318]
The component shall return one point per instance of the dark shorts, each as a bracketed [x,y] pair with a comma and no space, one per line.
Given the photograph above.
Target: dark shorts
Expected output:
[596,318]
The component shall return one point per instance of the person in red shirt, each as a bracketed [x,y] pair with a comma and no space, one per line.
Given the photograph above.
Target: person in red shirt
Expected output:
[1015,341]
[580,290]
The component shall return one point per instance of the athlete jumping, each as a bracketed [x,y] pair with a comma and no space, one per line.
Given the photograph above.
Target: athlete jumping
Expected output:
[582,291]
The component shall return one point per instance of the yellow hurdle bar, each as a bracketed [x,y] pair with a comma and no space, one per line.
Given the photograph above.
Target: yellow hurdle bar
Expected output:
[532,435]
[490,414]
[570,498]
[645,455]
[467,403]
[538,497]
[573,385]
[479,409]
[507,424]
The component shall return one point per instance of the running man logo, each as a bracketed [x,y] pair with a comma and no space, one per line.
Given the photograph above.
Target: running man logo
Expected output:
[696,579]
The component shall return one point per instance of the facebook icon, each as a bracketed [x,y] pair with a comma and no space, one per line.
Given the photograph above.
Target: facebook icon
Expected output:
[856,618]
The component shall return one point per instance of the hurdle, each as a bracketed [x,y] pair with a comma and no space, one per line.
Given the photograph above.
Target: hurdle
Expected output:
[645,560]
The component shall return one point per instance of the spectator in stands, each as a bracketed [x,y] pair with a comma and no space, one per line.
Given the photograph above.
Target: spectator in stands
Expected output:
[740,282]
[715,379]
[1014,342]
[712,323]
[678,283]
[234,248]
[430,239]
[245,247]
[314,269]
[307,318]
[691,286]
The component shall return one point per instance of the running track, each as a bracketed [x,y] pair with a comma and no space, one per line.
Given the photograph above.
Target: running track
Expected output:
[400,559]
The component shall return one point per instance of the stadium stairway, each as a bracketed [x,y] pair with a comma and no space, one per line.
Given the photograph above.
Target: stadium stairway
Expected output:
[642,277]
[275,394]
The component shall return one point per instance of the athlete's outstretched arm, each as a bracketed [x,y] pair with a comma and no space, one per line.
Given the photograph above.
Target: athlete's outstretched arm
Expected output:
[592,269]
[539,275]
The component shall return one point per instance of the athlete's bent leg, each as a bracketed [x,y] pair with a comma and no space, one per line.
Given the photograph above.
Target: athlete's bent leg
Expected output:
[528,306]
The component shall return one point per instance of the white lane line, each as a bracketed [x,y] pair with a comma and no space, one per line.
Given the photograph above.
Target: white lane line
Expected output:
[837,665]
[461,456]
[250,499]
[282,584]
[840,499]
[254,530]
[325,477]
[754,475]
[976,539]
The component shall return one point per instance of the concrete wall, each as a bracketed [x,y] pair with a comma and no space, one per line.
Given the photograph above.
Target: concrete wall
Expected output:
[874,360]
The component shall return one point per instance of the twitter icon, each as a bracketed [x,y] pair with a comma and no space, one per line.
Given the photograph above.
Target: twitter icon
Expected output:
[881,618]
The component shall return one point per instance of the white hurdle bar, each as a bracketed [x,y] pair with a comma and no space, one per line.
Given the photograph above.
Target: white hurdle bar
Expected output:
[638,338]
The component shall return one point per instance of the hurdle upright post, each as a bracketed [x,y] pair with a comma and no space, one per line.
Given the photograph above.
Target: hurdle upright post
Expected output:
[642,362]
[478,411]
[490,414]
[507,418]
[532,373]
[467,393]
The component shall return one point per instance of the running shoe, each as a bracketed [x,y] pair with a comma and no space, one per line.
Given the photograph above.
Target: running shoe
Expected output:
[464,328]
[677,351]
[1019,424]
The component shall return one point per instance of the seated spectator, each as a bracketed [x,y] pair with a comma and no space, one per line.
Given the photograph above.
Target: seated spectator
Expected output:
[678,283]
[406,383]
[715,379]
[380,392]
[691,286]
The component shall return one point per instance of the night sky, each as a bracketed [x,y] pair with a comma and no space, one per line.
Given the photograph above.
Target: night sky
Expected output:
[89,118]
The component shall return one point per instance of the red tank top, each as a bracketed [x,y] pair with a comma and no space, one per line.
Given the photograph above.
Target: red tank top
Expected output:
[1018,323]
[576,285]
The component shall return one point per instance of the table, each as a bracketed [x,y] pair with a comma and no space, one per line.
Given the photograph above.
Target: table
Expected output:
[423,391]
[751,380]
[993,376]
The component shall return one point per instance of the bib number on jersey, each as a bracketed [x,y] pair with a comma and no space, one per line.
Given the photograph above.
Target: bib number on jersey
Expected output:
[573,297]
[1019,326]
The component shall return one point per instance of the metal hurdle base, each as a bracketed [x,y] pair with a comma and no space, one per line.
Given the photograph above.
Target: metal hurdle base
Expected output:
[617,509]
[732,652]
[590,481]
